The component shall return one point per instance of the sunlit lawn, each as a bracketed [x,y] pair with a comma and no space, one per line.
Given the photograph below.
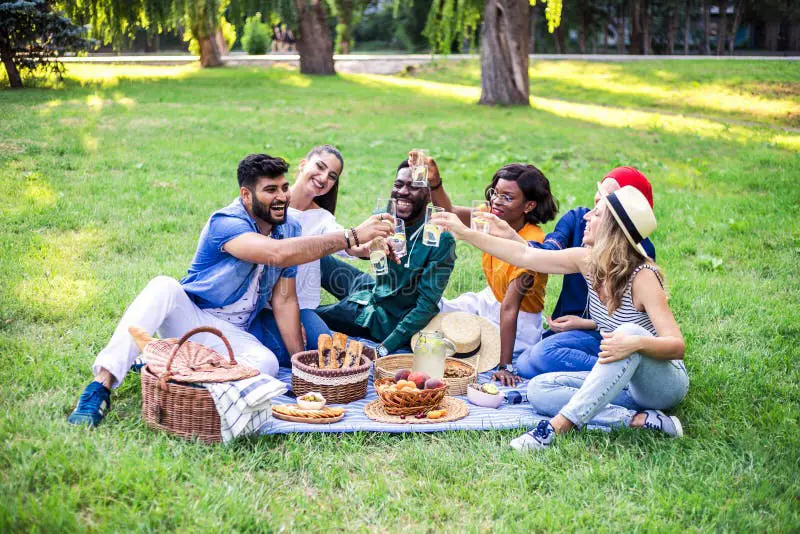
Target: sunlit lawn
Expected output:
[106,182]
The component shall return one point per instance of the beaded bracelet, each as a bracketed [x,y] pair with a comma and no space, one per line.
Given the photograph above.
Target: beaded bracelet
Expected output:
[355,236]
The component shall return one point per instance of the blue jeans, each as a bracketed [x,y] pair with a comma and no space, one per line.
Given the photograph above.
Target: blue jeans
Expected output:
[265,329]
[573,350]
[611,393]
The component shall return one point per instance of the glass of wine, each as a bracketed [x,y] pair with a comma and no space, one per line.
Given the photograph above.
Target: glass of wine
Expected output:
[478,221]
[419,167]
[431,232]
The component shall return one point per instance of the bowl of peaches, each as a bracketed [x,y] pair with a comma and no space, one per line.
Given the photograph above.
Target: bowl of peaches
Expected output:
[410,393]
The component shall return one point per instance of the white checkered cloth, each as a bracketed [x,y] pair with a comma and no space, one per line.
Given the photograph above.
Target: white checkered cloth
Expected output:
[245,405]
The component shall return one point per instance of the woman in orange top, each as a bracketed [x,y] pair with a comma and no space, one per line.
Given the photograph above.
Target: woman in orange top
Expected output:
[520,195]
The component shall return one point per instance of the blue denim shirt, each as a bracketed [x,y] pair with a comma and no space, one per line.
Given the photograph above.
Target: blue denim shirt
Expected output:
[216,278]
[568,233]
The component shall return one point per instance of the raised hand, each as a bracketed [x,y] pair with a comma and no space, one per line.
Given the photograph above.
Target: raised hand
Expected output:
[379,225]
[500,228]
[451,223]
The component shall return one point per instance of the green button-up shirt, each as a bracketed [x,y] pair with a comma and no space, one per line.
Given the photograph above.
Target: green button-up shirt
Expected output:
[406,298]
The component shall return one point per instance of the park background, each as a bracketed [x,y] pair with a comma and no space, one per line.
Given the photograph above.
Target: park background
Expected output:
[109,171]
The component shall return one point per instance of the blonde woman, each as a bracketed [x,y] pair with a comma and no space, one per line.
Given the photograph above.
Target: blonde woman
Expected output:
[639,371]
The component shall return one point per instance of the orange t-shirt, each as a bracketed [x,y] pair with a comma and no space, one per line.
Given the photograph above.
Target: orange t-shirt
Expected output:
[500,274]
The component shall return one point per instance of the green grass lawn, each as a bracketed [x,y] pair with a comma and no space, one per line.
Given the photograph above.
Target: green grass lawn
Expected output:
[107,179]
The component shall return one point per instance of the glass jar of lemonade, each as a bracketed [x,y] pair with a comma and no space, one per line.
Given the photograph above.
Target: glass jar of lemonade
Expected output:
[430,352]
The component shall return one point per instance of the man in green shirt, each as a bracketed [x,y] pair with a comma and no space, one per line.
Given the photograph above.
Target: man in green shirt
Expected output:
[398,304]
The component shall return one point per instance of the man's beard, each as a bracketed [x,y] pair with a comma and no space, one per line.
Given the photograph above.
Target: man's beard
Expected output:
[417,213]
[262,211]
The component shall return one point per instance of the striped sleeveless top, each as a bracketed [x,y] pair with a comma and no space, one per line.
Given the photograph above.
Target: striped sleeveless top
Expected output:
[626,313]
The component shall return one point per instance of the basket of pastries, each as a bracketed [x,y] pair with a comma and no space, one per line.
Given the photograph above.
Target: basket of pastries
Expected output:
[410,393]
[338,369]
[458,374]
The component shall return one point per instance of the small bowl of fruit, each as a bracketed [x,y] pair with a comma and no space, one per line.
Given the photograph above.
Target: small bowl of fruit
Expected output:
[486,395]
[311,401]
[410,393]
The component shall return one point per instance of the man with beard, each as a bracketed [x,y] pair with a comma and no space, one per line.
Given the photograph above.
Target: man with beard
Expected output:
[395,306]
[246,257]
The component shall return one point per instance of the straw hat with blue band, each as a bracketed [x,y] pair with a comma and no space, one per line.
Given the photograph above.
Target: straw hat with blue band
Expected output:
[633,214]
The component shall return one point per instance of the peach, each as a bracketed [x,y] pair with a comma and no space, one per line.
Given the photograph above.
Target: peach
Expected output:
[402,374]
[419,379]
[433,383]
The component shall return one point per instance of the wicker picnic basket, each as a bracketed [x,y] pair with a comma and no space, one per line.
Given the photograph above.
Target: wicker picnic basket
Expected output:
[408,402]
[185,409]
[338,386]
[387,366]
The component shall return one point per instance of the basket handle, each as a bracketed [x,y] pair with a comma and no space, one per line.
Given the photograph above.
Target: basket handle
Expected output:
[198,330]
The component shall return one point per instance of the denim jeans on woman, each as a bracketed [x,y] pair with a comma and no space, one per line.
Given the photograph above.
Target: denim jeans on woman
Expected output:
[611,393]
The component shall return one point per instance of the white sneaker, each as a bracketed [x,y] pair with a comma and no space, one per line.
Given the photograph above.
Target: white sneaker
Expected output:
[540,437]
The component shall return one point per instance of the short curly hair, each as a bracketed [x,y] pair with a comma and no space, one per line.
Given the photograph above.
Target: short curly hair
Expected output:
[254,166]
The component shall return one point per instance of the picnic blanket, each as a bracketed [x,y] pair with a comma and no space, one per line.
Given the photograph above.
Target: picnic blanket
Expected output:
[355,420]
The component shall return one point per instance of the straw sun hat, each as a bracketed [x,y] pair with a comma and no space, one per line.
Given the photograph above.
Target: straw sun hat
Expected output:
[477,340]
[633,214]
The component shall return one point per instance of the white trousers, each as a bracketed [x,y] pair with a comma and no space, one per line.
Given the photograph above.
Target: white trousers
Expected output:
[484,304]
[164,307]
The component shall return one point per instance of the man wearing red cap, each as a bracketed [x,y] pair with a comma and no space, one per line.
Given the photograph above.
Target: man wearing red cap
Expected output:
[573,341]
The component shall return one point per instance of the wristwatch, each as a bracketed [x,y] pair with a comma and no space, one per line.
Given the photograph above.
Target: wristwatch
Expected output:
[506,367]
[382,351]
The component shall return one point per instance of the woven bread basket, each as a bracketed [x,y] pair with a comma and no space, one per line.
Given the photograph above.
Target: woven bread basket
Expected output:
[185,410]
[408,402]
[387,366]
[338,386]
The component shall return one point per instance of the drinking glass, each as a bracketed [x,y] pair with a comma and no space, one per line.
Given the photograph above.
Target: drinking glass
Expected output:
[377,257]
[431,232]
[419,168]
[477,220]
[398,240]
[387,205]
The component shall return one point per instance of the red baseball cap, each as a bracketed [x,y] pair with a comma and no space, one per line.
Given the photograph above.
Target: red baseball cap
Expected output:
[630,176]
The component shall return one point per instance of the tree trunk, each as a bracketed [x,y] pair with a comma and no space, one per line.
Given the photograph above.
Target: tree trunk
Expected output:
[637,31]
[583,18]
[794,36]
[706,27]
[14,79]
[672,30]
[737,19]
[314,43]
[345,22]
[621,29]
[210,54]
[646,33]
[558,36]
[504,53]
[222,46]
[772,30]
[687,28]
[722,27]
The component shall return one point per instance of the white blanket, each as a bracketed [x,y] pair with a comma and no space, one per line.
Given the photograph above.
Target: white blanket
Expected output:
[245,405]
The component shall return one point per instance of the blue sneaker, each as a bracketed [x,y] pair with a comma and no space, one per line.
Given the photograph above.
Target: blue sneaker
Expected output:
[92,406]
[538,438]
[137,365]
[668,424]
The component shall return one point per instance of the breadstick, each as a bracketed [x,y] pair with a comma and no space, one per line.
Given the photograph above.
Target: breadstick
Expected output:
[324,349]
[337,354]
[353,353]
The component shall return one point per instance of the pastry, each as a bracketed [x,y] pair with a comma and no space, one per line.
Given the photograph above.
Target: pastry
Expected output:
[338,352]
[353,353]
[324,345]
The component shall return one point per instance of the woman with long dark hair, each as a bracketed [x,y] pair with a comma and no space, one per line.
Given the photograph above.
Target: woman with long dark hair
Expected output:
[639,370]
[519,194]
